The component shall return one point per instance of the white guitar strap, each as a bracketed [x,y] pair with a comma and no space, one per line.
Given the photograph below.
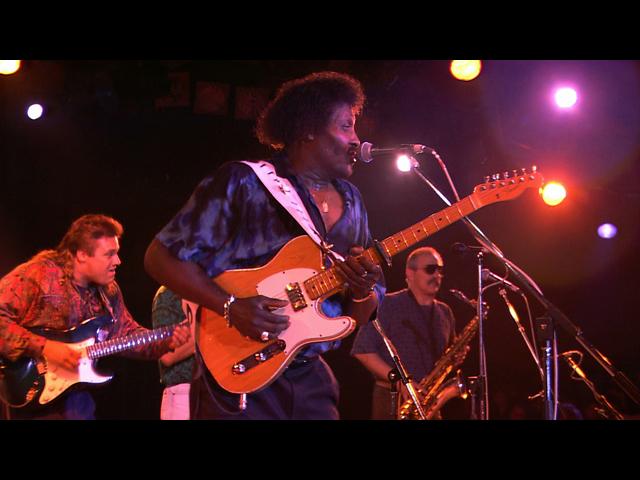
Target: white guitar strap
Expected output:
[287,196]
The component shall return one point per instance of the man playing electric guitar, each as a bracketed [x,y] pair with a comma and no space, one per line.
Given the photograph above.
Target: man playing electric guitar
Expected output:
[58,290]
[234,221]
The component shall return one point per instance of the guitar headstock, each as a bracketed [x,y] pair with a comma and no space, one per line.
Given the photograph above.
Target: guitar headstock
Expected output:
[506,186]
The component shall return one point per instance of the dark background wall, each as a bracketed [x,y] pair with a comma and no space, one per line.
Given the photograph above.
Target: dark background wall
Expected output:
[107,145]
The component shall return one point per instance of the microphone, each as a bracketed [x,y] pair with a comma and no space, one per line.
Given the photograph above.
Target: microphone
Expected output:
[461,248]
[368,152]
[461,296]
[489,275]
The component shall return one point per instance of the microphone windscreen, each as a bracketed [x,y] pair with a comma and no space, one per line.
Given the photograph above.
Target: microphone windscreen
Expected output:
[365,152]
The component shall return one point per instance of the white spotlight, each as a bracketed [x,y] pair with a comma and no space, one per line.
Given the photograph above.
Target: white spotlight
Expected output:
[566,97]
[607,230]
[35,111]
[404,163]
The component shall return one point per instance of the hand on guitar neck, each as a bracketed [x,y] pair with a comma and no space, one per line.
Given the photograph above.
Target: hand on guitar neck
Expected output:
[360,272]
[180,336]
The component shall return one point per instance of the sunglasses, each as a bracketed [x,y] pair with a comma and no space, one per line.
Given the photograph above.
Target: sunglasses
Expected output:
[431,269]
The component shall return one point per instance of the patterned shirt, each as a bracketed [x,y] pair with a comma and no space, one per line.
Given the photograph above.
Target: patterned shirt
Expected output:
[39,293]
[231,221]
[420,333]
[167,310]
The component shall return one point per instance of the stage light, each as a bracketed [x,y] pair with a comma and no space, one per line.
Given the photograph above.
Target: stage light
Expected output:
[35,111]
[465,69]
[607,230]
[404,163]
[566,97]
[7,67]
[553,193]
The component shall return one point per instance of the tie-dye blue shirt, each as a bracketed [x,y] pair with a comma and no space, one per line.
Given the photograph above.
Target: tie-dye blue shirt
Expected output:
[231,221]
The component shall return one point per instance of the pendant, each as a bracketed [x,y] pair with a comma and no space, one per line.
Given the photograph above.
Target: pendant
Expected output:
[325,206]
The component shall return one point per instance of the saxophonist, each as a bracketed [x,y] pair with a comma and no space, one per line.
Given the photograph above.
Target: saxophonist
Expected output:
[420,326]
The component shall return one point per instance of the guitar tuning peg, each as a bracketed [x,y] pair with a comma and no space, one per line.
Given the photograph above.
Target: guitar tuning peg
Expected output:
[505,175]
[495,176]
[524,171]
[487,179]
[515,172]
[534,169]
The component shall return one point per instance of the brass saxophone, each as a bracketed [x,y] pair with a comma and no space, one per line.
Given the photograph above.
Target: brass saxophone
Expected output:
[431,391]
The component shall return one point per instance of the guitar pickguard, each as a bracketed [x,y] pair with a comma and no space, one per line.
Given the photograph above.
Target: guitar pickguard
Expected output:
[58,378]
[307,324]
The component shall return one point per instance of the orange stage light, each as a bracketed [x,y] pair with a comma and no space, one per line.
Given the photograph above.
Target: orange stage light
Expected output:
[7,67]
[553,193]
[465,69]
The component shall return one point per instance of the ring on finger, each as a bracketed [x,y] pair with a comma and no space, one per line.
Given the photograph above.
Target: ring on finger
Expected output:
[264,336]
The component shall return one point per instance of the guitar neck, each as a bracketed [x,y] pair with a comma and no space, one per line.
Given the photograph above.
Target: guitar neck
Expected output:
[415,233]
[121,344]
[331,281]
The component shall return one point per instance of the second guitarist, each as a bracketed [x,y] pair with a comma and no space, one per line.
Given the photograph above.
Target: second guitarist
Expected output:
[232,221]
[60,288]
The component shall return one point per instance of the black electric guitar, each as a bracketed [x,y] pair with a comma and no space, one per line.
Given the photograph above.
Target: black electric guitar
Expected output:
[28,379]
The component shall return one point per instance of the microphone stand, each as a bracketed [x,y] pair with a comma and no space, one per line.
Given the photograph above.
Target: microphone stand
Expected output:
[399,370]
[482,381]
[530,286]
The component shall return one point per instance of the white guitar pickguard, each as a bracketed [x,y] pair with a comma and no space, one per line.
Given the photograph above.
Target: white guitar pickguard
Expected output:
[58,378]
[308,323]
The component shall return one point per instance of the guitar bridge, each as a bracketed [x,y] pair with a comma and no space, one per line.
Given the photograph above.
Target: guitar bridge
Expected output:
[296,298]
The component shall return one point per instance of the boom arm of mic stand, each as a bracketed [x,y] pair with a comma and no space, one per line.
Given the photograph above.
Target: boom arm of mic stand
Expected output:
[406,379]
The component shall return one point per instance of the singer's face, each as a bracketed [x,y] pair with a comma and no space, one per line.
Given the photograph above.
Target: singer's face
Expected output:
[335,148]
[419,280]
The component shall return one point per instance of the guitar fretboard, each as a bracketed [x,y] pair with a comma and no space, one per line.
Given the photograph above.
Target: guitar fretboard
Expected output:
[117,345]
[331,281]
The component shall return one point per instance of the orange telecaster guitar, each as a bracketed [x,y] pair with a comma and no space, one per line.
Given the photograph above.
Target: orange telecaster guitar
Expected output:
[296,274]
